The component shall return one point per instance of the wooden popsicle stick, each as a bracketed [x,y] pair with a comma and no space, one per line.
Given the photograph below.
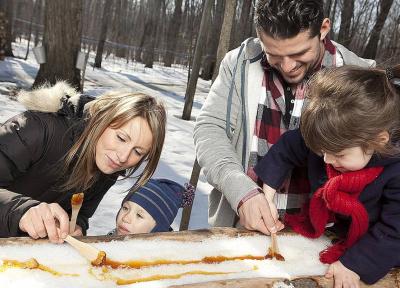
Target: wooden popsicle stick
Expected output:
[76,204]
[273,244]
[74,217]
[276,253]
[89,252]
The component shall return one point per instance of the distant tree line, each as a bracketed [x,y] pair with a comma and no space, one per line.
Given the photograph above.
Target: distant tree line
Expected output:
[166,31]
[369,28]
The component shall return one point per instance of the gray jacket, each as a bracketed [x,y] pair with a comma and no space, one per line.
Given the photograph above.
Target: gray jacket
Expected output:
[225,126]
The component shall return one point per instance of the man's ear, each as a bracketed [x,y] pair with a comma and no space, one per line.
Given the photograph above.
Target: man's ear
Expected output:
[383,138]
[325,28]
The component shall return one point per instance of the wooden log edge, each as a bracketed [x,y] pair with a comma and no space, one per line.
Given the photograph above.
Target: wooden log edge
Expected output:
[391,280]
[184,236]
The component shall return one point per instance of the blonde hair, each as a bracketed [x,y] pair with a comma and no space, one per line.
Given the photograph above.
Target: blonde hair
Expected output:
[114,109]
[350,106]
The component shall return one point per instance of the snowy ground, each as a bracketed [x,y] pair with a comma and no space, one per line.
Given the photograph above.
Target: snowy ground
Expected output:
[300,260]
[167,83]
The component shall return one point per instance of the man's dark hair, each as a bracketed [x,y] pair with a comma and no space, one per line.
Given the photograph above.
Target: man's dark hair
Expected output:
[286,18]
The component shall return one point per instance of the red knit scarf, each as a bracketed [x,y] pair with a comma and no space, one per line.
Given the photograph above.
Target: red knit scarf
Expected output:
[338,195]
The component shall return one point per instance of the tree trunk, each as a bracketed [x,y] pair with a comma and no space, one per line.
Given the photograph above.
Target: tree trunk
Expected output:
[210,52]
[327,7]
[332,16]
[8,6]
[173,32]
[151,26]
[3,34]
[132,28]
[161,33]
[191,88]
[394,41]
[141,19]
[95,22]
[62,42]
[39,21]
[87,21]
[225,37]
[103,32]
[121,33]
[344,36]
[34,12]
[243,25]
[251,28]
[371,48]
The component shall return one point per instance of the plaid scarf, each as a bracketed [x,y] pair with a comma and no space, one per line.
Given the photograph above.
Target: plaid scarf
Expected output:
[279,110]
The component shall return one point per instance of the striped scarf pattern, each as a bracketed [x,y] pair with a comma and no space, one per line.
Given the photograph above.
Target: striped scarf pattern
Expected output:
[279,110]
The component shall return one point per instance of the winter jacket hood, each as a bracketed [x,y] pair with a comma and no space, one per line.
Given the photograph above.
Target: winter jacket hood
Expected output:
[61,98]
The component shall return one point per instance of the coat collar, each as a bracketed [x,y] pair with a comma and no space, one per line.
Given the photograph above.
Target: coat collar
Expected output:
[252,49]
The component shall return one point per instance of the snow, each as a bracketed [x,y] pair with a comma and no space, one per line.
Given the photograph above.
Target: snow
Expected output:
[167,83]
[300,260]
[176,164]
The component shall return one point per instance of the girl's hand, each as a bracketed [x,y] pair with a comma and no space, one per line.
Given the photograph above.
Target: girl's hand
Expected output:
[43,220]
[269,193]
[343,277]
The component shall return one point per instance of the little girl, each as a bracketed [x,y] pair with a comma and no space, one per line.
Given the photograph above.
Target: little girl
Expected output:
[348,140]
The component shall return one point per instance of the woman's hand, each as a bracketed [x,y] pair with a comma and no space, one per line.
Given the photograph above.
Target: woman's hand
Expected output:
[343,277]
[43,220]
[77,232]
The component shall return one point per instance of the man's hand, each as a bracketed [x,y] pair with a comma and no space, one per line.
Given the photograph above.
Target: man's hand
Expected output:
[343,277]
[255,214]
[43,220]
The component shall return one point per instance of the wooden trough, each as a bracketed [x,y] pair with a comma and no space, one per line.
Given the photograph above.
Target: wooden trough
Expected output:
[392,280]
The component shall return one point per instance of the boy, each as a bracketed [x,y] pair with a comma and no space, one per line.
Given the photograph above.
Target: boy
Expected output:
[153,207]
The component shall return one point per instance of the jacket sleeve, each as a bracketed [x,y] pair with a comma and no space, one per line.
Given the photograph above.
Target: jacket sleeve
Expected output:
[21,143]
[378,250]
[215,152]
[290,151]
[92,201]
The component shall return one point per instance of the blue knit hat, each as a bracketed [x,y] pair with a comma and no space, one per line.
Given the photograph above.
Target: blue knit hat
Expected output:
[162,198]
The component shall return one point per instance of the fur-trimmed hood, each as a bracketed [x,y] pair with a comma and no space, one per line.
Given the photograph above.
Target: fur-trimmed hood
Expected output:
[61,98]
[48,98]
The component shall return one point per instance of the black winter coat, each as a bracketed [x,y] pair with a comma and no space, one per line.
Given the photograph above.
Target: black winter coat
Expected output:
[31,147]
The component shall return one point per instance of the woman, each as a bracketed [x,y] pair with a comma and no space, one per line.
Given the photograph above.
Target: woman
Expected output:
[47,157]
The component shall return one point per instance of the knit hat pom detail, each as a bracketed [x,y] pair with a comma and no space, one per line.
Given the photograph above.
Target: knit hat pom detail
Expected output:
[188,195]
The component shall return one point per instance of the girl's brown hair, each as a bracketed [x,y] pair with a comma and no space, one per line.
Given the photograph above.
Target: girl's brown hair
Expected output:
[114,109]
[350,106]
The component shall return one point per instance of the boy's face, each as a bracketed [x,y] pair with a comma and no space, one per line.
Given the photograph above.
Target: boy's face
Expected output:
[133,219]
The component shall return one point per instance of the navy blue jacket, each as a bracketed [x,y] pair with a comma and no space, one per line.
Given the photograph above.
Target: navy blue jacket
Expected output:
[378,250]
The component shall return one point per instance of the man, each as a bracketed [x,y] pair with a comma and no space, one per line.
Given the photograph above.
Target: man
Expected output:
[257,96]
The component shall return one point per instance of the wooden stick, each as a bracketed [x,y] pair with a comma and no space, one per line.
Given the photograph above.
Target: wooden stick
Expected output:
[74,217]
[273,244]
[76,204]
[89,252]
